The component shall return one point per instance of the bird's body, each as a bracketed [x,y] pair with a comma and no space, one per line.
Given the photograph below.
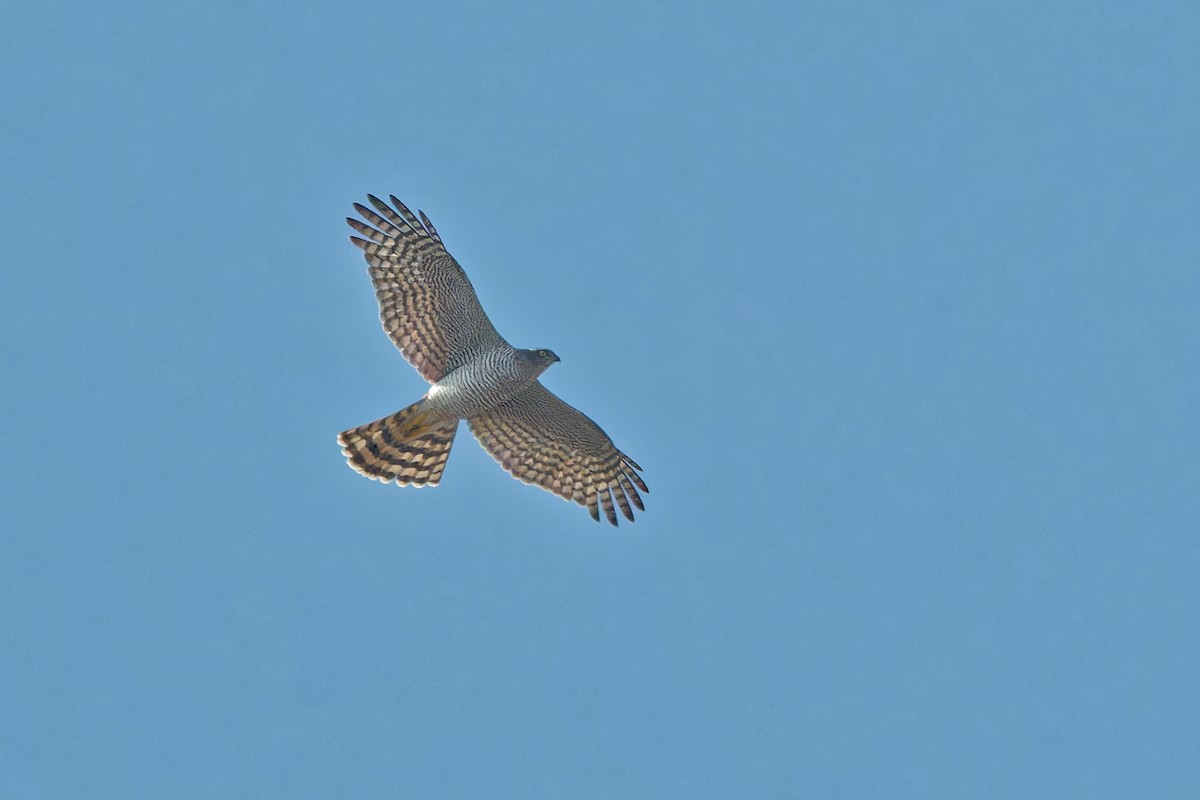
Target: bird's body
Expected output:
[487,381]
[429,309]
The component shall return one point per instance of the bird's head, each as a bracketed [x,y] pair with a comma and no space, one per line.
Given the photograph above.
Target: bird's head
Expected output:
[541,359]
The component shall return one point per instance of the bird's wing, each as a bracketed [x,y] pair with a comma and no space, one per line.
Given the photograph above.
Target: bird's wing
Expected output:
[426,303]
[542,440]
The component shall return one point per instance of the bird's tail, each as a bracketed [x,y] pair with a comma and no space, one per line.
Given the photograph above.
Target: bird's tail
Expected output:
[410,446]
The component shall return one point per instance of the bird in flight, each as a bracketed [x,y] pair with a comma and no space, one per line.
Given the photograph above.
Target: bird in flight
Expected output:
[429,309]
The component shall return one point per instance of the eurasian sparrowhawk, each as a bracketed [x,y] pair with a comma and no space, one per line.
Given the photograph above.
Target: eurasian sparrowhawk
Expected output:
[429,309]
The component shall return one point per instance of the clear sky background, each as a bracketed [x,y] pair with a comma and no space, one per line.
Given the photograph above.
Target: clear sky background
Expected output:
[895,303]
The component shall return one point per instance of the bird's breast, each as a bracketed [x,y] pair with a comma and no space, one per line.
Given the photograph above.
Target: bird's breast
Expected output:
[479,385]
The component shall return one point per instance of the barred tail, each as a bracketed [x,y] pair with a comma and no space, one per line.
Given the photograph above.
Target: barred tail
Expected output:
[405,447]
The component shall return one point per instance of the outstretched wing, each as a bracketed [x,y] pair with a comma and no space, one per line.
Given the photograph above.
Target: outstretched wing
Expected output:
[426,303]
[542,440]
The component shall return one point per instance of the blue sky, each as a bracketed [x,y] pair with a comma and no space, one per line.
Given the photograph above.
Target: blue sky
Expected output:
[894,303]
